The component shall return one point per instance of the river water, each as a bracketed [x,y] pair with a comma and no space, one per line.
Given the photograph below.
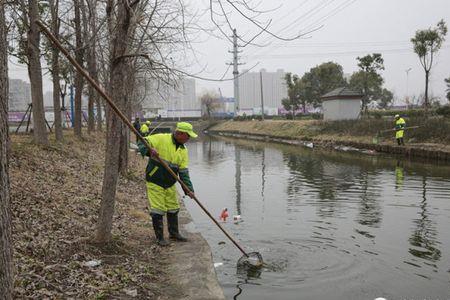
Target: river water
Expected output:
[330,225]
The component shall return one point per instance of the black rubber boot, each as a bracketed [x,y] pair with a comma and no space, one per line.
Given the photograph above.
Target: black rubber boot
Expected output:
[158,227]
[172,222]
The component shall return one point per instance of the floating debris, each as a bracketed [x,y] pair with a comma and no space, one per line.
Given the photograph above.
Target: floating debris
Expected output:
[237,219]
[224,215]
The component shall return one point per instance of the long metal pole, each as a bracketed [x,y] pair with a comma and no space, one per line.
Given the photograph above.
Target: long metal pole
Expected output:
[262,96]
[128,123]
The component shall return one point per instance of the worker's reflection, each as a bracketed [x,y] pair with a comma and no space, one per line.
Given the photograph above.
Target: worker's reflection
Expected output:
[399,175]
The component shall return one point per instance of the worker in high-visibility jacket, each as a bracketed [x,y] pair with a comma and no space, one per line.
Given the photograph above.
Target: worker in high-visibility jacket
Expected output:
[161,189]
[399,129]
[145,128]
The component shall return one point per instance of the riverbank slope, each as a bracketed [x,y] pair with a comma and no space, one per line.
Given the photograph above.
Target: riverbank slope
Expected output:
[430,140]
[56,193]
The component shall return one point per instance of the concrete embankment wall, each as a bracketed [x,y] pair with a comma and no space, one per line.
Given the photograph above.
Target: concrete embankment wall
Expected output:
[424,151]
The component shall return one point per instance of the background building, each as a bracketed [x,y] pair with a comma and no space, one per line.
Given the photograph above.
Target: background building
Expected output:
[341,104]
[274,90]
[171,102]
[19,95]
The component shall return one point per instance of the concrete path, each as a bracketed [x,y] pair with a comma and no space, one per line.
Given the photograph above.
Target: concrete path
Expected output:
[191,267]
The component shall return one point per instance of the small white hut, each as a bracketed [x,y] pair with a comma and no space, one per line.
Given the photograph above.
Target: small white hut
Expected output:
[341,104]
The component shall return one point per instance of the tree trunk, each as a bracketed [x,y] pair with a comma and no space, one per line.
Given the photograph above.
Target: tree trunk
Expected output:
[125,135]
[35,74]
[125,142]
[54,8]
[79,54]
[92,64]
[110,177]
[118,89]
[427,75]
[6,271]
[98,104]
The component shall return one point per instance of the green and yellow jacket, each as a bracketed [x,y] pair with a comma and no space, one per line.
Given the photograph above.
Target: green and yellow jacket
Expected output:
[174,154]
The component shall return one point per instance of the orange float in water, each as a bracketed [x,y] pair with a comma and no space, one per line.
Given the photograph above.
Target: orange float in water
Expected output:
[224,214]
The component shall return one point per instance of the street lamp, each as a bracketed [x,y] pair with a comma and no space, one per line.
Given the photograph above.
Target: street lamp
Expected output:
[407,75]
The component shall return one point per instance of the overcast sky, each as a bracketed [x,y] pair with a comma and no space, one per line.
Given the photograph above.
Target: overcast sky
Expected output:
[350,28]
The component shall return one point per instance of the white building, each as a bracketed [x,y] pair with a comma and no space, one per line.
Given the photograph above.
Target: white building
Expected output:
[171,102]
[19,95]
[274,89]
[341,104]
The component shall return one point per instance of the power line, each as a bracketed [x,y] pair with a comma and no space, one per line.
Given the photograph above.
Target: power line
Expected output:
[332,13]
[328,15]
[342,53]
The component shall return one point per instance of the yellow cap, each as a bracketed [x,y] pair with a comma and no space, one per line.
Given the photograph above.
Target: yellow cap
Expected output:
[186,127]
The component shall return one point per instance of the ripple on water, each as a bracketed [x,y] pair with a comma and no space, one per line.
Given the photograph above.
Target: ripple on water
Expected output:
[306,260]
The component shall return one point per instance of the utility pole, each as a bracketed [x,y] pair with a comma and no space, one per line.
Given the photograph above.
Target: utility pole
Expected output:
[235,64]
[262,96]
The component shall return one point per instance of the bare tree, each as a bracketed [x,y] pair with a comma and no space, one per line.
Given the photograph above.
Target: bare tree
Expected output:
[54,12]
[210,103]
[119,14]
[35,72]
[6,274]
[79,56]
[91,58]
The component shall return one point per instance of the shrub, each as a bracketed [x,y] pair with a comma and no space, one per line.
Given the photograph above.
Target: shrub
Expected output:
[317,116]
[444,111]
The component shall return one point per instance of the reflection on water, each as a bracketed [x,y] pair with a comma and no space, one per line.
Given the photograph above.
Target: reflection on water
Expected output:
[424,236]
[329,225]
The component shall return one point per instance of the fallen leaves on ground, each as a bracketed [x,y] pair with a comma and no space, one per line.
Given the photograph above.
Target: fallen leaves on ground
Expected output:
[56,194]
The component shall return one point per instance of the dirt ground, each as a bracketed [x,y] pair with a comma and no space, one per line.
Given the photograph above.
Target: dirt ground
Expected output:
[55,193]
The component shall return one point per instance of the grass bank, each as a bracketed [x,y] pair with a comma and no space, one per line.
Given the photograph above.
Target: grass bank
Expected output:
[432,135]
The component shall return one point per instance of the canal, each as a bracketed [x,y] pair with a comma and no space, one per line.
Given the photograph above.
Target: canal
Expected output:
[330,225]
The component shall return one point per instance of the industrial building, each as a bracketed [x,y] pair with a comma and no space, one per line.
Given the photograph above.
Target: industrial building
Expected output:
[168,101]
[274,89]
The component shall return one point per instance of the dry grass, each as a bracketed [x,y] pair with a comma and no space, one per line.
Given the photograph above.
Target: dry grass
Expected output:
[431,131]
[56,193]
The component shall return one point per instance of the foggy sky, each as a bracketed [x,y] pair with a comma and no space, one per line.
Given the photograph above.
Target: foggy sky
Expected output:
[357,28]
[351,28]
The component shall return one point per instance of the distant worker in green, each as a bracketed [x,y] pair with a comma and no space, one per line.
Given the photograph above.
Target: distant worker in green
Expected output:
[399,129]
[161,189]
[145,128]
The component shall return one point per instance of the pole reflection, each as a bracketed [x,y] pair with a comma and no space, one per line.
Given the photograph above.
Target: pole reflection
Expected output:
[424,237]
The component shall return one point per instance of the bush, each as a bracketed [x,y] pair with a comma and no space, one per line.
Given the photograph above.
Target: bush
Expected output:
[444,111]
[317,116]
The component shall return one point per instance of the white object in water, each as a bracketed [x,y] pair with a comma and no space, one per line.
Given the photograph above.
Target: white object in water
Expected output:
[237,219]
[309,145]
[218,264]
[380,298]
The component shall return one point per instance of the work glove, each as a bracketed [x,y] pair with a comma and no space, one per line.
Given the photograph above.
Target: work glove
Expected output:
[153,152]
